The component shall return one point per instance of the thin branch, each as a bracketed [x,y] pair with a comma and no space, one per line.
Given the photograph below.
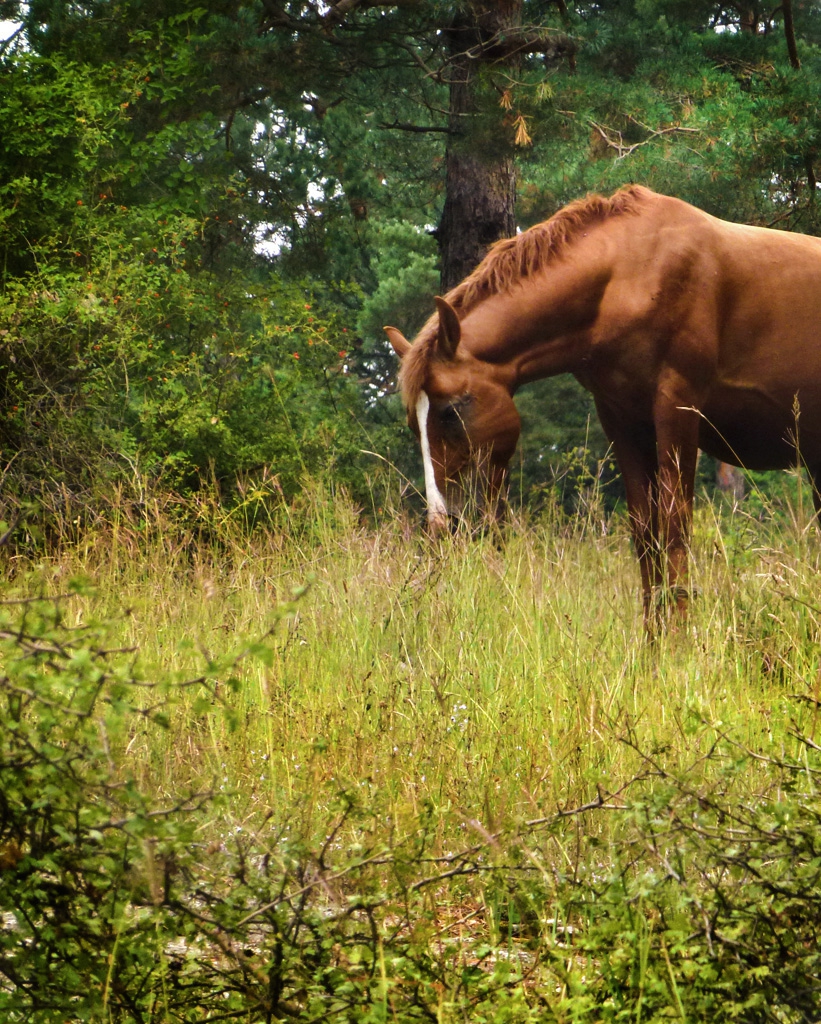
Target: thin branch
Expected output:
[792,212]
[403,126]
[508,42]
[436,76]
[805,740]
[464,862]
[378,859]
[624,150]
[8,534]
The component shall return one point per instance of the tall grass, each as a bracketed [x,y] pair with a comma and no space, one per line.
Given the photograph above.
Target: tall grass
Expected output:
[493,679]
[457,781]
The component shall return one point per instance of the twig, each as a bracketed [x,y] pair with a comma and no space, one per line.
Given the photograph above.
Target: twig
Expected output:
[377,858]
[805,740]
[624,150]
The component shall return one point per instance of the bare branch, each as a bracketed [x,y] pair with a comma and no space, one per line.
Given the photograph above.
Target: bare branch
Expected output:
[403,126]
[615,140]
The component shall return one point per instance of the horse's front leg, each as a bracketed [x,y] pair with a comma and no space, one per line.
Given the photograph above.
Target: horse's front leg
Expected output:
[637,461]
[635,450]
[677,425]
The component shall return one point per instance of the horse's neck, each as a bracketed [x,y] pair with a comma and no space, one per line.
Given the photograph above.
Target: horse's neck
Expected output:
[535,331]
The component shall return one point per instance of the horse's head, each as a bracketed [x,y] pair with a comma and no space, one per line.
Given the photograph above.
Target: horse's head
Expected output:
[461,410]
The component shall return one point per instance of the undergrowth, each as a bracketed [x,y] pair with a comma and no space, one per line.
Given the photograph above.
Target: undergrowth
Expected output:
[327,770]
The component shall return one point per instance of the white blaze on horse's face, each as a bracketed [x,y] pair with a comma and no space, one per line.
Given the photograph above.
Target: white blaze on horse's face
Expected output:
[437,509]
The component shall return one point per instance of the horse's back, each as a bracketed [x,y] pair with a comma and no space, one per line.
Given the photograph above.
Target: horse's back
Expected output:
[735,311]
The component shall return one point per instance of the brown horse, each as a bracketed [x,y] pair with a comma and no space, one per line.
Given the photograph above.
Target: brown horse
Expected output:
[690,332]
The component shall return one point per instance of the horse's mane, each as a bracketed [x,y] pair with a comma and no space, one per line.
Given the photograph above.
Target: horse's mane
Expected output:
[507,262]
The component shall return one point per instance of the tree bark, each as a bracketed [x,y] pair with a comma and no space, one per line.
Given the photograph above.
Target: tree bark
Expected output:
[789,32]
[480,177]
[748,18]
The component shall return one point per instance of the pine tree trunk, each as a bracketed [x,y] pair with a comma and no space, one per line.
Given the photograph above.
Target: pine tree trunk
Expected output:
[748,19]
[480,179]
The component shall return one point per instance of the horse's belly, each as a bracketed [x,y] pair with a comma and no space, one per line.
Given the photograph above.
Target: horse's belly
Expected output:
[758,431]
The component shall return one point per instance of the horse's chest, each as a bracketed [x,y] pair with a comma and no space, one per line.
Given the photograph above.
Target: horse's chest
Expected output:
[627,389]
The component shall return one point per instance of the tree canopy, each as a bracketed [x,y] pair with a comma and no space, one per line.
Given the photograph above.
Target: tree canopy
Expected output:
[208,211]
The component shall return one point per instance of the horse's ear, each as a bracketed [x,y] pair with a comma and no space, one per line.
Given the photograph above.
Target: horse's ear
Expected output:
[450,330]
[400,343]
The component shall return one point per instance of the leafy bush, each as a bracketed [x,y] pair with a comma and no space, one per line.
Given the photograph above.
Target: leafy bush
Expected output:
[709,909]
[88,861]
[142,341]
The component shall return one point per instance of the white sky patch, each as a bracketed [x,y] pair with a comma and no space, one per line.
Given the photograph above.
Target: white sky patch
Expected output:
[270,240]
[436,503]
[7,29]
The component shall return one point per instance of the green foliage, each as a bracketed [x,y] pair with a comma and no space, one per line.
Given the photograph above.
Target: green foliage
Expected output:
[138,364]
[88,859]
[405,267]
[139,343]
[718,118]
[147,341]
[708,909]
[564,452]
[143,160]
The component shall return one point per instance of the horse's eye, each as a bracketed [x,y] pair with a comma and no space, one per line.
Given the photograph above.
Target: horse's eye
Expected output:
[453,416]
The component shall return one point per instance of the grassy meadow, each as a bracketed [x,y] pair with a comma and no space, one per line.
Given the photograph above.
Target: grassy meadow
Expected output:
[474,734]
[495,678]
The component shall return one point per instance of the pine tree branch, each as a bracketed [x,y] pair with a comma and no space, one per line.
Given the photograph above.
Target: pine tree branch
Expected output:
[512,42]
[434,74]
[403,126]
[615,140]
[6,43]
